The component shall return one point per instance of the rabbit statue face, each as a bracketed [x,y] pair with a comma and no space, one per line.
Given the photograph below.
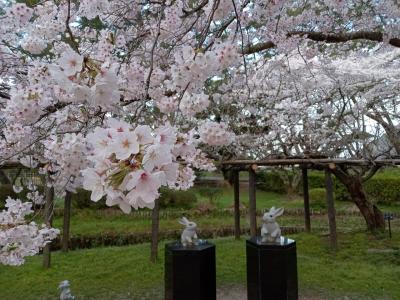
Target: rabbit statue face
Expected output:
[188,224]
[271,215]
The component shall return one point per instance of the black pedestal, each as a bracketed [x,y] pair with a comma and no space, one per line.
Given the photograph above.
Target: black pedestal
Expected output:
[190,272]
[271,270]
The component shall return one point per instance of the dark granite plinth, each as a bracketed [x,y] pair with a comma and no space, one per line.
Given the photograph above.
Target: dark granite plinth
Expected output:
[190,272]
[271,270]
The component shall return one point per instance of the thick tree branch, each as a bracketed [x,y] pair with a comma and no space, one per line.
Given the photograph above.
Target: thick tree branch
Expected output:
[328,38]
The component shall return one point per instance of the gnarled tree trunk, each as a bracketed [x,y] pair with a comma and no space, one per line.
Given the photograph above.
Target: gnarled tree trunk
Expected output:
[353,183]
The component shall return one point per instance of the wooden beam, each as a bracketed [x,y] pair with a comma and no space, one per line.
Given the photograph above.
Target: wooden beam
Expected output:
[306,196]
[237,203]
[310,162]
[331,209]
[67,219]
[252,202]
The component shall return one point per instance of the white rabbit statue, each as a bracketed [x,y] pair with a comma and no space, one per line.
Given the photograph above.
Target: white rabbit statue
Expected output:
[65,291]
[189,236]
[270,230]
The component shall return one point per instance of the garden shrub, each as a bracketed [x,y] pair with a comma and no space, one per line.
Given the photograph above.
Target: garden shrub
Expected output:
[316,180]
[211,193]
[177,199]
[204,208]
[383,189]
[270,181]
[317,198]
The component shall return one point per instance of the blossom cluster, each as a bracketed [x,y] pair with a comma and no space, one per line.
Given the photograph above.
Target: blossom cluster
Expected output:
[129,165]
[66,158]
[19,238]
[193,69]
[192,104]
[215,134]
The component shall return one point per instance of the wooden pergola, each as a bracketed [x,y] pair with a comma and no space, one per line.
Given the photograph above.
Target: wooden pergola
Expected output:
[325,164]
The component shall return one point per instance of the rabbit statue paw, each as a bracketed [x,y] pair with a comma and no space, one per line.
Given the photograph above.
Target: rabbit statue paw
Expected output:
[270,230]
[189,235]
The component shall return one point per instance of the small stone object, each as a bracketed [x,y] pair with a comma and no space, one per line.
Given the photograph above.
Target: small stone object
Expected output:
[65,291]
[270,230]
[189,235]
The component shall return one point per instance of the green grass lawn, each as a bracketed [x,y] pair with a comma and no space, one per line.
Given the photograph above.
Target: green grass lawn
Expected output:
[354,271]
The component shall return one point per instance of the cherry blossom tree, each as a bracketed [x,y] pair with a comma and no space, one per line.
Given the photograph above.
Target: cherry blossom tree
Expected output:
[123,97]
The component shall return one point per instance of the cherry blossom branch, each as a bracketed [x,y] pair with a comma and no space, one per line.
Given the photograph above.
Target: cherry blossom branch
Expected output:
[152,56]
[328,38]
[71,35]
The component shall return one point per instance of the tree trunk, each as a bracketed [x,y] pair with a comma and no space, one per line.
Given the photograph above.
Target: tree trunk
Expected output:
[371,213]
[67,219]
[155,219]
[48,218]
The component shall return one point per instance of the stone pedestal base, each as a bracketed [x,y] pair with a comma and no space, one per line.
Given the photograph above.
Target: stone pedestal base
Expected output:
[190,272]
[271,270]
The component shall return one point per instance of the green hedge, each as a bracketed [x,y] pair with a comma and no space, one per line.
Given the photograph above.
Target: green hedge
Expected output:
[270,181]
[383,188]
[316,180]
[177,199]
[317,198]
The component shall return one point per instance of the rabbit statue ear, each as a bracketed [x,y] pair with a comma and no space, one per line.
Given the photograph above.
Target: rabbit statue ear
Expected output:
[183,221]
[272,210]
[278,212]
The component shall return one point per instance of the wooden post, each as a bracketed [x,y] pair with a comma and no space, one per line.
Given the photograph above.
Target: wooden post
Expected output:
[306,196]
[67,220]
[48,218]
[155,220]
[331,208]
[237,203]
[252,201]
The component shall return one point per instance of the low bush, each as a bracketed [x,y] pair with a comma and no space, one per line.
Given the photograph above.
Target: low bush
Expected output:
[177,199]
[270,181]
[211,193]
[383,189]
[204,208]
[317,198]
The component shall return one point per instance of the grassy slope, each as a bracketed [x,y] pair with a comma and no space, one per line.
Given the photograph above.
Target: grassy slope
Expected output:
[125,273]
